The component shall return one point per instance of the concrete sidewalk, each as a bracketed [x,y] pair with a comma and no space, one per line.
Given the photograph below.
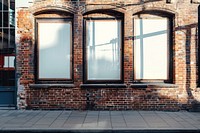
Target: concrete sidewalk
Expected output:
[99,121]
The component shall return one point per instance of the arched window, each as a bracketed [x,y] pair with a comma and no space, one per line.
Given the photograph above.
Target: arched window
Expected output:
[103,48]
[153,47]
[54,48]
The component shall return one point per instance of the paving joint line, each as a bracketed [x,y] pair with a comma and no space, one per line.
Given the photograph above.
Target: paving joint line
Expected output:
[162,119]
[124,119]
[190,122]
[178,114]
[38,118]
[190,116]
[55,119]
[84,119]
[12,112]
[98,119]
[67,118]
[30,117]
[16,117]
[144,119]
[175,119]
[3,112]
[110,120]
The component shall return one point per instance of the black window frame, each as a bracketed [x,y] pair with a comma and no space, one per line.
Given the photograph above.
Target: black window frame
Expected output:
[53,80]
[170,51]
[85,71]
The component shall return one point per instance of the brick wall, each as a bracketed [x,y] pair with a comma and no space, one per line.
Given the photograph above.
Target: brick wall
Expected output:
[181,95]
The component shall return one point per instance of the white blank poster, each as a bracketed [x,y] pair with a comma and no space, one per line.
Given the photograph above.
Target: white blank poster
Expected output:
[103,49]
[54,50]
[151,48]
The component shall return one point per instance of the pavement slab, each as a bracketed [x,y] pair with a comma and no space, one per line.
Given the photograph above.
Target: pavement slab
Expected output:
[99,121]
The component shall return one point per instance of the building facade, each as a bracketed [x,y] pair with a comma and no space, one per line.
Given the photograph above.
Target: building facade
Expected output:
[107,54]
[8,88]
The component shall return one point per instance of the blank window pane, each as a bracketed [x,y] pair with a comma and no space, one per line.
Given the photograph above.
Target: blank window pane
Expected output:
[151,48]
[103,50]
[6,61]
[9,61]
[12,61]
[54,50]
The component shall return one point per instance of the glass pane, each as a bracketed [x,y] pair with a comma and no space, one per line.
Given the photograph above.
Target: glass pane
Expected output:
[12,5]
[151,57]
[9,61]
[1,20]
[5,38]
[5,19]
[103,49]
[12,38]
[1,4]
[54,50]
[1,39]
[12,19]
[5,5]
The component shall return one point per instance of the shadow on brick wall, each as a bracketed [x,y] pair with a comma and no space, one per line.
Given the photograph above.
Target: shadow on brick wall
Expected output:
[190,50]
[110,98]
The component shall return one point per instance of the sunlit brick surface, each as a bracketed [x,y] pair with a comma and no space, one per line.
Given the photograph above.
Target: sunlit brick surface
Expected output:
[185,59]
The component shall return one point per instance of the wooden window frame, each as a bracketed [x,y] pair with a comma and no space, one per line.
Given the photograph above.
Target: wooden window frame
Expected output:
[53,80]
[170,63]
[85,72]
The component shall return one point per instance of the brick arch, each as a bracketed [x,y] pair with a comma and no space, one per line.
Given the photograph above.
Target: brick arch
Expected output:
[167,11]
[105,11]
[42,10]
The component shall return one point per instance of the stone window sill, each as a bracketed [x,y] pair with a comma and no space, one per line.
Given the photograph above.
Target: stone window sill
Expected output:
[103,85]
[46,86]
[153,85]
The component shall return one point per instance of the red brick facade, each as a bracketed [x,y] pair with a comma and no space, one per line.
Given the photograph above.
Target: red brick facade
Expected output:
[181,94]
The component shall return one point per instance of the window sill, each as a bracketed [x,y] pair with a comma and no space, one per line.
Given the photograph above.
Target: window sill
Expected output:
[153,85]
[46,86]
[103,85]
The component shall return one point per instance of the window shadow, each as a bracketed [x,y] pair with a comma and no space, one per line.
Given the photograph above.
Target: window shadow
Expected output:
[54,51]
[187,30]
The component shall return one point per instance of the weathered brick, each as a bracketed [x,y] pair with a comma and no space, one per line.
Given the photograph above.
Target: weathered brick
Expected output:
[185,52]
